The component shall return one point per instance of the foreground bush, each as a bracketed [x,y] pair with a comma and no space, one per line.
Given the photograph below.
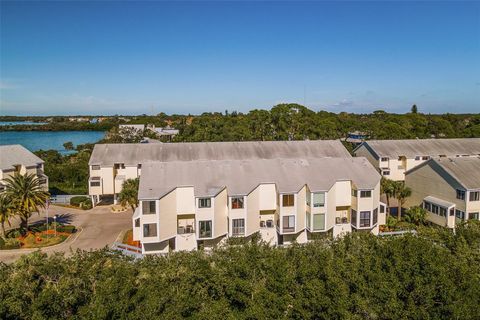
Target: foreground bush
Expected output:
[357,277]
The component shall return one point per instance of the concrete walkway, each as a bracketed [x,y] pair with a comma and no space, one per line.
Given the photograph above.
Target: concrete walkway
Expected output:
[98,228]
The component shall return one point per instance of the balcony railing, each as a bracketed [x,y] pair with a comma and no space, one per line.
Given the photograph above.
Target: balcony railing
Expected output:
[185,230]
[341,220]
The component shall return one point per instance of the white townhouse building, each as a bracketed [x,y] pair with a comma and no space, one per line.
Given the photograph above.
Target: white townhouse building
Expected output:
[111,164]
[16,159]
[448,188]
[186,205]
[393,158]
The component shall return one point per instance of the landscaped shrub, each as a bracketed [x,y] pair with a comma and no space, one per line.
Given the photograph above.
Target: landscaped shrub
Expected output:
[359,276]
[66,229]
[11,243]
[82,202]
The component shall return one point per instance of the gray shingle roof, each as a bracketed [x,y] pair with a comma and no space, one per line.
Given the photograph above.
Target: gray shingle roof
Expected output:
[466,170]
[133,154]
[242,176]
[425,147]
[15,154]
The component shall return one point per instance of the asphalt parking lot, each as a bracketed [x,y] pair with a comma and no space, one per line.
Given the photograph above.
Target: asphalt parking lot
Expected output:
[98,227]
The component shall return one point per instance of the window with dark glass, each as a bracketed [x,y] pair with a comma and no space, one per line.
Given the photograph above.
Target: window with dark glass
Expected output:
[473,216]
[474,196]
[354,192]
[459,214]
[237,203]
[383,159]
[205,229]
[288,200]
[364,219]
[354,217]
[95,167]
[365,194]
[238,227]
[137,222]
[288,223]
[204,202]
[375,216]
[149,207]
[150,230]
[460,194]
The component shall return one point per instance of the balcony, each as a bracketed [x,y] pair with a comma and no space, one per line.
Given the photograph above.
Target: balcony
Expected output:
[342,220]
[185,229]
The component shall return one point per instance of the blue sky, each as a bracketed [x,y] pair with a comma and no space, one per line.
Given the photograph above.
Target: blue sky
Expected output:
[190,57]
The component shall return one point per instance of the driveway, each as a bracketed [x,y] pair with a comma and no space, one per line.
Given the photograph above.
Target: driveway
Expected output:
[98,228]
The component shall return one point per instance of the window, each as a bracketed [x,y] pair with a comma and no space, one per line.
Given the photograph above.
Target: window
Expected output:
[269,223]
[205,228]
[474,196]
[354,217]
[308,198]
[319,199]
[427,206]
[386,173]
[95,167]
[139,166]
[382,208]
[137,222]
[354,193]
[417,158]
[238,227]
[460,194]
[383,159]
[94,183]
[308,218]
[262,224]
[237,203]
[442,211]
[148,207]
[288,200]
[150,230]
[434,208]
[425,157]
[375,216]
[204,202]
[364,219]
[119,166]
[473,216]
[289,224]
[319,222]
[460,214]
[365,194]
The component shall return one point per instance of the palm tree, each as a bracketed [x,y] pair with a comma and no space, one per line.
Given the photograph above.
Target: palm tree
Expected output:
[387,187]
[6,212]
[401,192]
[26,196]
[129,193]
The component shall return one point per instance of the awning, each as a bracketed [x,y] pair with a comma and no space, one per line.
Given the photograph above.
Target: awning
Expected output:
[439,202]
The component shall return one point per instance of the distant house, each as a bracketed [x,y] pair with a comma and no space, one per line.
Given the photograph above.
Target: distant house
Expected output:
[356,137]
[448,188]
[139,127]
[167,132]
[393,158]
[16,159]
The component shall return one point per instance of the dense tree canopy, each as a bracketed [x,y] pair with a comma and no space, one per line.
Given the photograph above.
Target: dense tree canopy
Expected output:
[434,275]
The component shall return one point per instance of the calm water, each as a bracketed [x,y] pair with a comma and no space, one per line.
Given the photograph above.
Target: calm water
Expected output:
[16,123]
[46,140]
